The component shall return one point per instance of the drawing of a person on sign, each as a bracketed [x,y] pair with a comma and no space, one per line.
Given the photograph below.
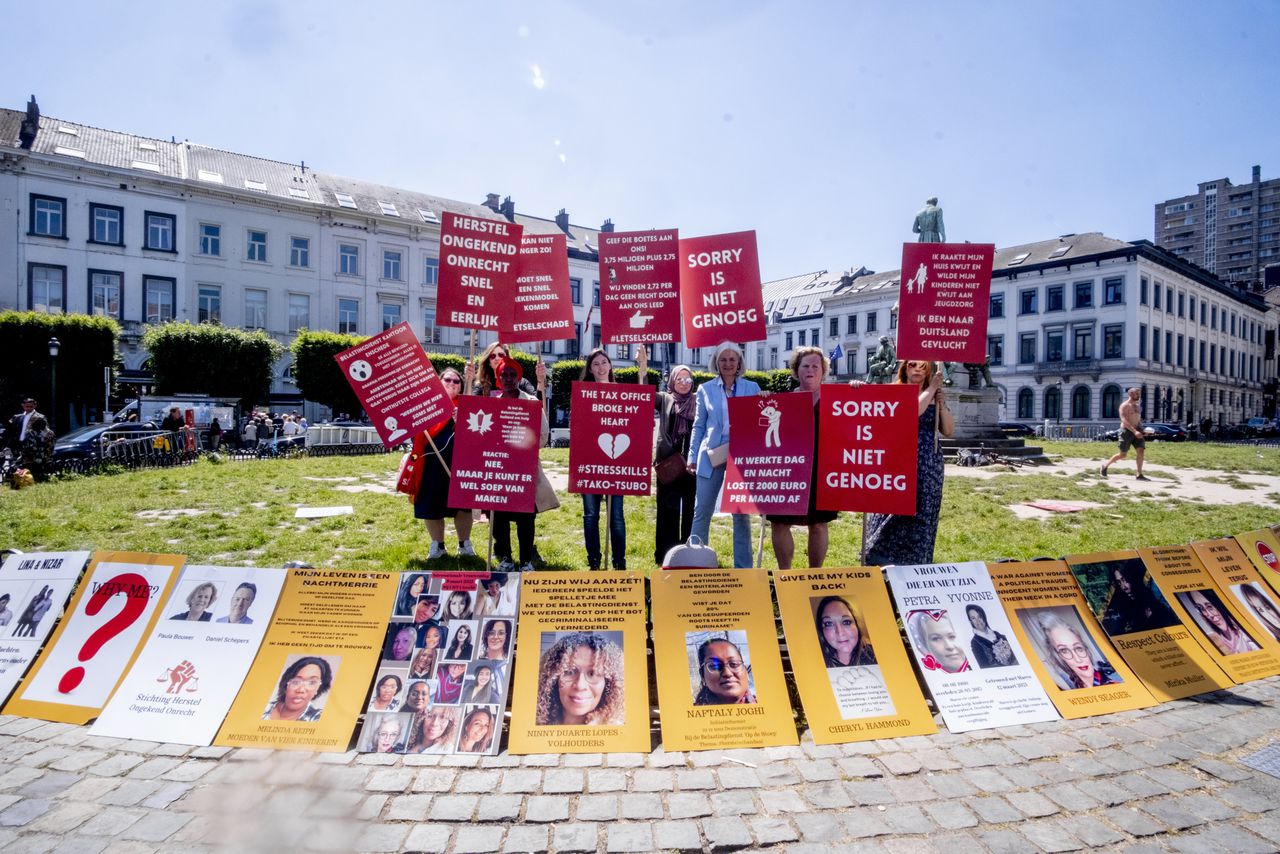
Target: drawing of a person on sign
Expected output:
[771,416]
[915,285]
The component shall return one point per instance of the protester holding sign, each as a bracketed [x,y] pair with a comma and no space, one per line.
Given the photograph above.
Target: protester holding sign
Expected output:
[509,378]
[429,503]
[676,486]
[908,540]
[709,447]
[484,381]
[809,366]
[599,369]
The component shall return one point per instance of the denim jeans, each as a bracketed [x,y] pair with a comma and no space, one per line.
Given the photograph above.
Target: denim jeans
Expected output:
[704,505]
[617,530]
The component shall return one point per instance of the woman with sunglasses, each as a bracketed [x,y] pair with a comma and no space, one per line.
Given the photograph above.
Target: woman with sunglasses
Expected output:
[482,378]
[429,503]
[909,539]
[677,407]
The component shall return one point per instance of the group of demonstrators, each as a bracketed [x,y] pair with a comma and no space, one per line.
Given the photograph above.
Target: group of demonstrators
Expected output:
[690,453]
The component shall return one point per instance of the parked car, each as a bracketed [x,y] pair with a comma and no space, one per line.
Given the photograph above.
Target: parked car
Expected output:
[1168,432]
[1016,428]
[97,440]
[1260,427]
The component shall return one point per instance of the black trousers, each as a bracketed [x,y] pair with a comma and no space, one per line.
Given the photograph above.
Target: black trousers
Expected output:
[675,515]
[502,534]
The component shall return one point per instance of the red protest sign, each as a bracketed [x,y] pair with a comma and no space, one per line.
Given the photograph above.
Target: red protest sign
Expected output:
[639,286]
[396,384]
[770,455]
[942,304]
[495,453]
[611,438]
[720,293]
[541,308]
[477,270]
[867,458]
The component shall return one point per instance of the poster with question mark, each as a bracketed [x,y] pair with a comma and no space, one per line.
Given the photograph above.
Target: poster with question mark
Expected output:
[113,609]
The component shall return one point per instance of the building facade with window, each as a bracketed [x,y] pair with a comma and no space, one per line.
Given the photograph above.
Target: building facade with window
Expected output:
[1232,230]
[147,231]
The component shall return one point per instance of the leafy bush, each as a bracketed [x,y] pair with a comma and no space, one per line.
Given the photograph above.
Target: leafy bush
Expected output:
[88,344]
[212,359]
[317,373]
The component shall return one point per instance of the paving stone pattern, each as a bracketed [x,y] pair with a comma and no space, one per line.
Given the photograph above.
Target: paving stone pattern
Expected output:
[1162,779]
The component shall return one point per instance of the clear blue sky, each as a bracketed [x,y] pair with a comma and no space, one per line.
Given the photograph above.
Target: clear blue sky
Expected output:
[823,126]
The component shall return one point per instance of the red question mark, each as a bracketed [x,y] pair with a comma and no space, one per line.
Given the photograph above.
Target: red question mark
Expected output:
[133,606]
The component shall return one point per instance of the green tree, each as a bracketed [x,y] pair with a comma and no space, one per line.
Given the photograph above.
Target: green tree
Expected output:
[317,373]
[88,344]
[213,360]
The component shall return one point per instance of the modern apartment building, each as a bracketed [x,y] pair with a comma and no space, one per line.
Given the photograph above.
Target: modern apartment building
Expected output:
[1232,230]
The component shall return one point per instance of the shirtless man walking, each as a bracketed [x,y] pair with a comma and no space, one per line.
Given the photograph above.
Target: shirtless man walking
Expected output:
[1131,434]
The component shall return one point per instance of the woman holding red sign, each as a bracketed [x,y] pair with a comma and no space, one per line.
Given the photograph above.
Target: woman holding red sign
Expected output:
[677,488]
[509,376]
[599,369]
[429,503]
[809,366]
[909,539]
[709,447]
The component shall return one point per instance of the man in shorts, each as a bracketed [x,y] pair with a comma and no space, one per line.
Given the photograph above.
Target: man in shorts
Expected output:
[1131,435]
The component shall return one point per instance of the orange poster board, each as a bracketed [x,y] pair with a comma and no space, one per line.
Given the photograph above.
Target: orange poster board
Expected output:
[1142,626]
[1231,570]
[582,673]
[854,678]
[111,614]
[1079,668]
[715,646]
[311,676]
[1215,622]
[1263,551]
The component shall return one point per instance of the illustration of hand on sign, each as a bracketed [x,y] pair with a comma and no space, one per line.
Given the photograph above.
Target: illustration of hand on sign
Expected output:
[772,416]
[178,677]
[614,446]
[640,321]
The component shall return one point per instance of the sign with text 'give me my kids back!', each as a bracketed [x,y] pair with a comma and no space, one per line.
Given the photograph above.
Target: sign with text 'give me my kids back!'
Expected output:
[867,457]
[715,645]
[1078,667]
[1215,620]
[312,673]
[1134,614]
[972,662]
[582,681]
[852,673]
[97,641]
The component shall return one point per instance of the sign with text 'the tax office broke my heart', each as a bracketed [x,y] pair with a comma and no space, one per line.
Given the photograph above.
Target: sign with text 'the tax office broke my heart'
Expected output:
[943,301]
[720,294]
[612,429]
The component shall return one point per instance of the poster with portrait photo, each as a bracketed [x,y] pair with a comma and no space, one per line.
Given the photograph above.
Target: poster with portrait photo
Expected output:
[388,690]
[437,610]
[37,585]
[497,594]
[1235,575]
[1262,547]
[1142,626]
[196,657]
[955,625]
[479,730]
[854,679]
[385,732]
[333,616]
[1212,618]
[719,668]
[1066,646]
[583,688]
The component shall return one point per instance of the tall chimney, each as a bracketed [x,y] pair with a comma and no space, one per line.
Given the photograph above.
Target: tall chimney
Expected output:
[607,226]
[491,202]
[562,220]
[508,209]
[1257,174]
[30,125]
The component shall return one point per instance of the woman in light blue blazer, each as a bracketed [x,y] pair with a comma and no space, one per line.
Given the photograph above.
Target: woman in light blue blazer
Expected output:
[710,431]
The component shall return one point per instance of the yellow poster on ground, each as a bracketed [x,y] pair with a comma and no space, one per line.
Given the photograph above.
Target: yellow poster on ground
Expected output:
[581,683]
[1215,622]
[1080,670]
[310,678]
[1231,570]
[113,610]
[1263,551]
[1142,626]
[847,657]
[715,646]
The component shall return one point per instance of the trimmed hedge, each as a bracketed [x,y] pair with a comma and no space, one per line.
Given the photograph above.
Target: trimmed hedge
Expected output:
[88,344]
[212,359]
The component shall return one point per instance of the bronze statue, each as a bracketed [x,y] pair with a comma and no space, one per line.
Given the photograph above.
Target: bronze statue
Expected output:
[928,223]
[982,369]
[881,367]
[948,372]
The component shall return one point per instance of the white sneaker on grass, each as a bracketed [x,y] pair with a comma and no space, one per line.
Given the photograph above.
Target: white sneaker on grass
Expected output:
[436,551]
[465,549]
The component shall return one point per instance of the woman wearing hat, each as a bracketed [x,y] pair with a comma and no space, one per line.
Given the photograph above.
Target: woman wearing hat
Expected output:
[709,446]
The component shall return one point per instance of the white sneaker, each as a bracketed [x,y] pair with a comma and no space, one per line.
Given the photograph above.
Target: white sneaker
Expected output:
[436,551]
[526,567]
[506,565]
[465,549]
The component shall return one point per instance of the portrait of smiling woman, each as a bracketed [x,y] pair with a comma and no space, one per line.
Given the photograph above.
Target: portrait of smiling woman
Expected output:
[580,681]
[302,684]
[723,674]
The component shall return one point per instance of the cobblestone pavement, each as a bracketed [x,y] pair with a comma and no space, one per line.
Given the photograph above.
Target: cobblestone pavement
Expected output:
[1163,779]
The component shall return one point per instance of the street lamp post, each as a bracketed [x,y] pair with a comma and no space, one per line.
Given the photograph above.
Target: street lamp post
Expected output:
[54,346]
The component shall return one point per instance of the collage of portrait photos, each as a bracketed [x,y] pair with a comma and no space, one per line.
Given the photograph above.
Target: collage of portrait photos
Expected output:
[441,685]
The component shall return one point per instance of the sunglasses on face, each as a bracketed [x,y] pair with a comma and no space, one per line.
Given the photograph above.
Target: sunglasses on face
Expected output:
[452,381]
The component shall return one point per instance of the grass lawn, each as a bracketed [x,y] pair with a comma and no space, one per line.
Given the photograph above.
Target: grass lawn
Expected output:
[243,513]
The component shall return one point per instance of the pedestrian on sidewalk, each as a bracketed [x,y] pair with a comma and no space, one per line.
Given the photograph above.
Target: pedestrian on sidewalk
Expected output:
[1131,435]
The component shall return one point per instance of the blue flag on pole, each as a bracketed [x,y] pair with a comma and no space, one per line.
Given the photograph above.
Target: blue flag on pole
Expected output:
[837,354]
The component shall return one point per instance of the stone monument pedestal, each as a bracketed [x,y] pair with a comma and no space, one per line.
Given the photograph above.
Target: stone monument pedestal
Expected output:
[976,412]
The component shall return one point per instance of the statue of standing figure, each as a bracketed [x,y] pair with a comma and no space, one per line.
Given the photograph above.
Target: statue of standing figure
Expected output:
[980,369]
[881,366]
[928,223]
[948,373]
